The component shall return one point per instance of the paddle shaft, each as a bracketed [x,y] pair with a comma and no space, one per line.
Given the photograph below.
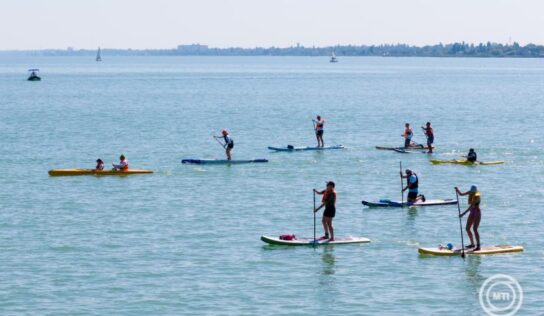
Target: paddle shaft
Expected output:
[314,215]
[460,226]
[401,185]
[219,142]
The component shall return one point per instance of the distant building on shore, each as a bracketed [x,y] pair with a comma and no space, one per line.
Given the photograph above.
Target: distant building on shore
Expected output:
[192,49]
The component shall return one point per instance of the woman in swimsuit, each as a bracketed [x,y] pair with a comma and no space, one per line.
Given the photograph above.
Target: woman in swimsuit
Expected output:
[474,216]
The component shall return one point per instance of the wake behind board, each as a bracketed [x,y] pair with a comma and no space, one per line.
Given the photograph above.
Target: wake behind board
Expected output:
[485,250]
[310,241]
[389,203]
[293,148]
[221,161]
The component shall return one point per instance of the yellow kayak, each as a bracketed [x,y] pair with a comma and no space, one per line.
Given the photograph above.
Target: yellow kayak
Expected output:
[92,172]
[465,162]
[485,250]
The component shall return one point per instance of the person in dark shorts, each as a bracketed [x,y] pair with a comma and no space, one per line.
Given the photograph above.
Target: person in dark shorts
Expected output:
[319,130]
[329,203]
[428,130]
[412,185]
[229,143]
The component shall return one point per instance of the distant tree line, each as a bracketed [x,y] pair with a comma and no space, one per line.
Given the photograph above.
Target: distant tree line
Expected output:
[399,50]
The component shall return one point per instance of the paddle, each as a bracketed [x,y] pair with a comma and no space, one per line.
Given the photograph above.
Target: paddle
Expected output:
[313,191]
[401,186]
[460,226]
[219,142]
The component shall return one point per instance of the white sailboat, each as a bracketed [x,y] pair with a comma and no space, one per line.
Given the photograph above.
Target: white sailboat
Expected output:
[98,57]
[333,58]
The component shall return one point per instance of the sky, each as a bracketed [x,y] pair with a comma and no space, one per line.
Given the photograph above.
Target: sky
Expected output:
[42,24]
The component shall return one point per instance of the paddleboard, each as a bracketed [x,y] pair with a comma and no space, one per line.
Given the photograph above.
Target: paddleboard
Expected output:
[291,148]
[465,162]
[86,172]
[485,250]
[418,147]
[404,151]
[389,203]
[310,241]
[221,161]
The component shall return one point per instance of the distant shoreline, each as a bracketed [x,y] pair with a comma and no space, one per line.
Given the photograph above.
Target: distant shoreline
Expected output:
[483,50]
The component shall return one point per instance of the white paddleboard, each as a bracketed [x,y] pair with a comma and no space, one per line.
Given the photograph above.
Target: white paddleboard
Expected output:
[310,241]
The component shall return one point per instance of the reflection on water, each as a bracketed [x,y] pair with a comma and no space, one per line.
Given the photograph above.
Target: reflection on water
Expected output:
[411,222]
[327,277]
[328,261]
[472,272]
[412,213]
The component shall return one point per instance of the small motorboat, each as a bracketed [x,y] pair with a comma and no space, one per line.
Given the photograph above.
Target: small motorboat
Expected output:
[33,75]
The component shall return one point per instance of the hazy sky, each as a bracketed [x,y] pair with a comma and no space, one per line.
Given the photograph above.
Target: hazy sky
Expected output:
[29,24]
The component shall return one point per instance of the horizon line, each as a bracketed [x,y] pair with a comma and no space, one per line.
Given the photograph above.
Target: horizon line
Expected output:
[297,45]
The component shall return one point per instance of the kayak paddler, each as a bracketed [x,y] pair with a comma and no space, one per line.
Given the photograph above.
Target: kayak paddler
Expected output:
[412,185]
[123,164]
[428,130]
[329,203]
[99,165]
[475,215]
[408,134]
[319,125]
[472,156]
[229,143]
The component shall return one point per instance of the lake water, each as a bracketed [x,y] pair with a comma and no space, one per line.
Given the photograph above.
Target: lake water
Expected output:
[185,240]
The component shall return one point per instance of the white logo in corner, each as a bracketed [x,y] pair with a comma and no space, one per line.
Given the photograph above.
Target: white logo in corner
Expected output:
[501,295]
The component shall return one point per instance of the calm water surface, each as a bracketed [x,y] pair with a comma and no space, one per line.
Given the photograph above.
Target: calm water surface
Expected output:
[185,240]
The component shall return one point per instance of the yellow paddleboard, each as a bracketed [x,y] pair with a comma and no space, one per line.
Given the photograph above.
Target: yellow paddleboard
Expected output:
[91,172]
[485,250]
[465,162]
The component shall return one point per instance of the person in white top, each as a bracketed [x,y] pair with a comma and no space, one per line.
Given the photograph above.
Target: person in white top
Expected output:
[319,129]
[123,163]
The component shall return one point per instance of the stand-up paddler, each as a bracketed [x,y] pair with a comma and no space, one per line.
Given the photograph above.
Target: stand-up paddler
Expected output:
[229,143]
[329,203]
[319,124]
[429,133]
[474,216]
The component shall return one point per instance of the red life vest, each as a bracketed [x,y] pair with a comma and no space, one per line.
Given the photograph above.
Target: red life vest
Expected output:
[429,131]
[320,124]
[326,196]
